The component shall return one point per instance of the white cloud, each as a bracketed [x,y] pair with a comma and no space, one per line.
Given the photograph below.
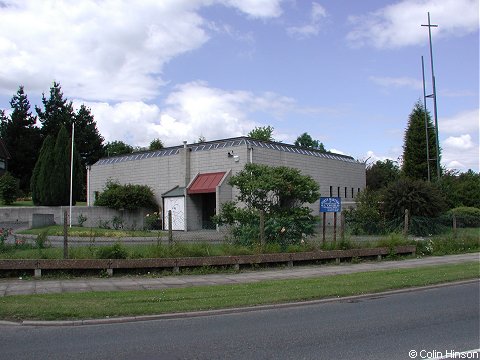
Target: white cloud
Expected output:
[397,82]
[399,24]
[462,142]
[191,110]
[460,150]
[103,50]
[312,28]
[464,122]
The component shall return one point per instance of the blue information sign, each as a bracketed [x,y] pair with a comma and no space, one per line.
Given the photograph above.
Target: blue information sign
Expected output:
[330,204]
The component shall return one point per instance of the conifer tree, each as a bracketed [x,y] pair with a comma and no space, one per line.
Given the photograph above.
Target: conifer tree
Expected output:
[21,137]
[40,185]
[87,138]
[415,145]
[60,176]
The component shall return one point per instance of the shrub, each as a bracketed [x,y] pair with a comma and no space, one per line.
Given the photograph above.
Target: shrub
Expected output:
[126,197]
[116,251]
[466,216]
[81,219]
[153,221]
[8,188]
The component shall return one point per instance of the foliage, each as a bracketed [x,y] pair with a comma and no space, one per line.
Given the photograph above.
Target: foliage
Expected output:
[127,197]
[306,141]
[415,145]
[81,220]
[22,138]
[8,188]
[156,144]
[115,251]
[382,173]
[40,185]
[466,216]
[367,217]
[117,222]
[115,148]
[41,241]
[4,233]
[262,133]
[278,192]
[51,176]
[419,197]
[461,189]
[153,221]
[88,140]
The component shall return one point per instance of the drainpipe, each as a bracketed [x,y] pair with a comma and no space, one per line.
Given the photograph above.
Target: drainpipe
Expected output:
[88,184]
[186,151]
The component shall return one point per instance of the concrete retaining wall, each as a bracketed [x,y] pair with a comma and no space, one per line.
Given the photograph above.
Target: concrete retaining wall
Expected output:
[95,215]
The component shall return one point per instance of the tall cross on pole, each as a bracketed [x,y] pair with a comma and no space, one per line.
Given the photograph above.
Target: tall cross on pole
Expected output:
[434,96]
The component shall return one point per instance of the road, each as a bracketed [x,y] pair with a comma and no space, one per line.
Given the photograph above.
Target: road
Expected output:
[376,327]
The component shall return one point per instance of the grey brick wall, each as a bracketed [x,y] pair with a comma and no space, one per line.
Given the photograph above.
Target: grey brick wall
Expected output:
[165,172]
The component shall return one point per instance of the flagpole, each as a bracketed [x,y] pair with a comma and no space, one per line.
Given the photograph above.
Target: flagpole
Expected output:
[71,172]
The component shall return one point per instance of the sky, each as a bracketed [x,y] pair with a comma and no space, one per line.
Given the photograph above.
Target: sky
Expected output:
[347,72]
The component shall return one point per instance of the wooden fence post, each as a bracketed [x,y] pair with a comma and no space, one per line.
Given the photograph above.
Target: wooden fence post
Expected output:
[262,228]
[406,223]
[65,234]
[170,231]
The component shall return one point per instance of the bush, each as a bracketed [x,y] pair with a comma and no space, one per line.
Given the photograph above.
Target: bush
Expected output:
[419,197]
[8,188]
[126,197]
[116,251]
[466,216]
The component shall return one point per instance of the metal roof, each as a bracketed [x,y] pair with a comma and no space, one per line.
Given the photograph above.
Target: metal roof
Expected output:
[225,143]
[205,183]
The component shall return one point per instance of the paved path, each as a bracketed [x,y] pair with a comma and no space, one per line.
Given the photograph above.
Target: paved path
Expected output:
[40,286]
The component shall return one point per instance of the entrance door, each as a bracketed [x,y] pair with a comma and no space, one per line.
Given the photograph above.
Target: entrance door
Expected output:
[177,206]
[208,210]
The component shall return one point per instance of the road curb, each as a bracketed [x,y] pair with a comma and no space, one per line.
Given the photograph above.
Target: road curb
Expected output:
[117,320]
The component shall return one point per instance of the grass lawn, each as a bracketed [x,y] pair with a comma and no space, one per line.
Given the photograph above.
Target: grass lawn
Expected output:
[134,303]
[57,230]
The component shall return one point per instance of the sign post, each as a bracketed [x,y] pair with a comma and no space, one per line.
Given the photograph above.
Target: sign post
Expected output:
[330,204]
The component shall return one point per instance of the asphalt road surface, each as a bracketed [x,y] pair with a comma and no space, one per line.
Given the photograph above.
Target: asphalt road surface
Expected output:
[430,322]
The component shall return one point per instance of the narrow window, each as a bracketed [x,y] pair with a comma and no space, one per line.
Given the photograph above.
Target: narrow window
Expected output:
[338,191]
[358,190]
[353,196]
[331,191]
[345,192]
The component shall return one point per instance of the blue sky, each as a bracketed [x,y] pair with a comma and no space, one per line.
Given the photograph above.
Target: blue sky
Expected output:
[346,72]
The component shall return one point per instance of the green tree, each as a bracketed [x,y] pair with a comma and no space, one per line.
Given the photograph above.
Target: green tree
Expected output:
[306,141]
[366,217]
[280,194]
[116,148]
[40,185]
[8,188]
[262,133]
[127,197]
[51,176]
[461,190]
[382,173]
[419,197]
[88,140]
[21,137]
[415,145]
[156,144]
[56,112]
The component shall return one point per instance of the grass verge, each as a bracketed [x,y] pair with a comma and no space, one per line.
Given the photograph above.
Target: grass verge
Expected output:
[69,306]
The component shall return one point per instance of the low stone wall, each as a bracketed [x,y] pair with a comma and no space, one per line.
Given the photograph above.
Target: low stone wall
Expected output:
[95,215]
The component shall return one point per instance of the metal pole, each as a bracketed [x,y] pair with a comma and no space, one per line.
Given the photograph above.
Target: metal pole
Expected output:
[434,95]
[426,120]
[71,173]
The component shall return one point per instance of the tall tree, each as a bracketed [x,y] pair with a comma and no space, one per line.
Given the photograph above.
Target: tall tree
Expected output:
[88,140]
[382,173]
[51,177]
[415,163]
[156,144]
[40,182]
[306,141]
[56,112]
[117,147]
[21,137]
[262,133]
